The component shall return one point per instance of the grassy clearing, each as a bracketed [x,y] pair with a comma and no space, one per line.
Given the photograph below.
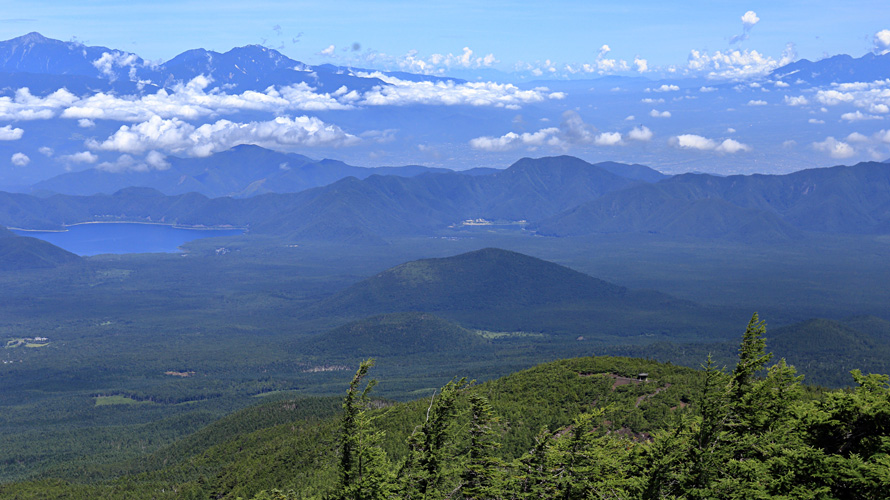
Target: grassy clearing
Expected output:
[117,400]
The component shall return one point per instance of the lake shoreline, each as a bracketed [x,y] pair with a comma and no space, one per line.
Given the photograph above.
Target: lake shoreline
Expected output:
[174,226]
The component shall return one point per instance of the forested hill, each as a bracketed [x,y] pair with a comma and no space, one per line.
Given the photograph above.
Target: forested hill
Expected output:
[21,252]
[495,289]
[579,428]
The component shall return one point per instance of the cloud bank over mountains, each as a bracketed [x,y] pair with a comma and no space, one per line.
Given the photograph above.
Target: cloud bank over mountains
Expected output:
[726,111]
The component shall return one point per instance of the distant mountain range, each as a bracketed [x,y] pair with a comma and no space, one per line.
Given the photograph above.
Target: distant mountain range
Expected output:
[242,171]
[555,196]
[841,68]
[44,64]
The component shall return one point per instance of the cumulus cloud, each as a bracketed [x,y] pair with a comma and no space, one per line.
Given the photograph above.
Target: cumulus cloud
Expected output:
[815,121]
[8,133]
[736,64]
[664,88]
[757,102]
[640,134]
[177,136]
[796,101]
[692,141]
[571,131]
[25,106]
[109,61]
[659,114]
[882,42]
[399,92]
[82,157]
[641,65]
[20,159]
[835,148]
[856,137]
[329,51]
[157,160]
[513,140]
[438,64]
[873,97]
[86,123]
[46,151]
[608,139]
[749,19]
[707,89]
[859,116]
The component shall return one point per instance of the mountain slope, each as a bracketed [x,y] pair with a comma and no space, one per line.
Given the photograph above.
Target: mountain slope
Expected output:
[21,252]
[485,279]
[839,199]
[242,171]
[841,68]
[399,334]
[503,291]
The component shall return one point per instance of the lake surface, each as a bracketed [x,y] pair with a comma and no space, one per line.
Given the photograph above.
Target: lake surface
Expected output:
[94,239]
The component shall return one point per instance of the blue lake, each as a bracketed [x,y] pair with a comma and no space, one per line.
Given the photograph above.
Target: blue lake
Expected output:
[94,239]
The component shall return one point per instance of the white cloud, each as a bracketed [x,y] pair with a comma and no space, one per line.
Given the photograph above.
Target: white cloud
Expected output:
[732,146]
[883,136]
[815,121]
[859,116]
[856,137]
[708,89]
[157,160]
[513,140]
[8,133]
[329,51]
[438,64]
[874,97]
[641,65]
[692,141]
[659,114]
[111,60]
[750,18]
[649,100]
[20,159]
[730,130]
[123,163]
[176,136]
[46,151]
[191,101]
[835,148]
[571,131]
[665,88]
[82,157]
[24,106]
[608,139]
[735,64]
[882,42]
[790,143]
[640,134]
[781,84]
[757,102]
[86,123]
[399,92]
[630,118]
[796,101]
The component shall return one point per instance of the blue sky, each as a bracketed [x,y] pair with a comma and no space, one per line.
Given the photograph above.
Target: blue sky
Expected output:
[513,34]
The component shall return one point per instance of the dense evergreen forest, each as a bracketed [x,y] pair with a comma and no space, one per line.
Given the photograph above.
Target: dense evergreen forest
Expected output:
[596,427]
